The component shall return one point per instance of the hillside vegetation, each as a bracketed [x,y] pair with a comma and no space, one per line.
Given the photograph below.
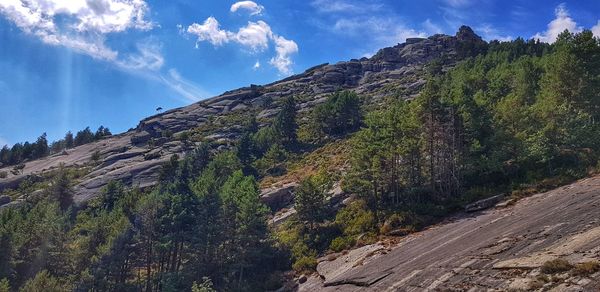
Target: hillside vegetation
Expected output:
[511,116]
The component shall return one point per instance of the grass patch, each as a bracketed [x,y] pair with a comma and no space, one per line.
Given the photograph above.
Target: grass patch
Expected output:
[587,268]
[332,157]
[556,266]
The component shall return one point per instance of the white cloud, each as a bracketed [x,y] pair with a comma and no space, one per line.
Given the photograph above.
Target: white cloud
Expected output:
[77,24]
[344,6]
[458,3]
[251,6]
[186,88]
[256,36]
[562,22]
[256,65]
[490,33]
[431,27]
[284,48]
[149,57]
[385,31]
[596,29]
[210,31]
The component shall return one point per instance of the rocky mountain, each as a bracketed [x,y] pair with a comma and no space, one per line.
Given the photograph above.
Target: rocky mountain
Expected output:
[544,242]
[135,157]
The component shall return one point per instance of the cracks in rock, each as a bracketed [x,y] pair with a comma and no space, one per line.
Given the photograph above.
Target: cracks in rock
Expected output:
[360,282]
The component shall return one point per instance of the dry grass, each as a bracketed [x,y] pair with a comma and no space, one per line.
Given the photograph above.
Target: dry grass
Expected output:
[556,266]
[332,157]
[586,268]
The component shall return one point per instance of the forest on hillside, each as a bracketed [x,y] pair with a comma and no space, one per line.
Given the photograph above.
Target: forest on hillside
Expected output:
[519,117]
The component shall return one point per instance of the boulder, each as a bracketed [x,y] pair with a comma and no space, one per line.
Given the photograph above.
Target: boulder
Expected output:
[141,138]
[279,197]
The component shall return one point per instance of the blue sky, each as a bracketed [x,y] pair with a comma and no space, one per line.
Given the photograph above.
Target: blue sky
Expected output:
[68,64]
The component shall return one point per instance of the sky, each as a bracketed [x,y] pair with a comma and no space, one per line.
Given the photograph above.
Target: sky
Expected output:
[68,64]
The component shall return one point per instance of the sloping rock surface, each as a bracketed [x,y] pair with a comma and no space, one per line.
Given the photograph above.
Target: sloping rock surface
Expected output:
[494,250]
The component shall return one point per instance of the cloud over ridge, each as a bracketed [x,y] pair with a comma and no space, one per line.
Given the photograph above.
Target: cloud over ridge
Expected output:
[254,36]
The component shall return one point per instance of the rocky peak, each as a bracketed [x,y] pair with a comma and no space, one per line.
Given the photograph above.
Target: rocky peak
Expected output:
[423,50]
[465,33]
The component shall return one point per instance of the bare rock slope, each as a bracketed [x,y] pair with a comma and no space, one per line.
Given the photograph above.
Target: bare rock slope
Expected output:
[495,250]
[135,157]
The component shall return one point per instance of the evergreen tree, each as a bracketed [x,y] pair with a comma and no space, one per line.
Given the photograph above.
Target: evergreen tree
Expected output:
[41,147]
[309,200]
[7,255]
[339,114]
[61,190]
[285,123]
[241,203]
[84,136]
[69,141]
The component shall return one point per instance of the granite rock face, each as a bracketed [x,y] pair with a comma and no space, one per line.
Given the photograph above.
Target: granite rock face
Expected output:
[494,250]
[135,157]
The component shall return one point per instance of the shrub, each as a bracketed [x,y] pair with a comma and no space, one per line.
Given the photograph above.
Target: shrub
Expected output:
[305,264]
[4,285]
[270,164]
[3,174]
[167,133]
[587,268]
[556,266]
[95,156]
[18,169]
[183,136]
[402,220]
[342,243]
[205,286]
[356,219]
[264,139]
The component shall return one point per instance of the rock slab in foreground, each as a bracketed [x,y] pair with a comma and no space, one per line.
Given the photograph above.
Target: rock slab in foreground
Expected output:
[498,250]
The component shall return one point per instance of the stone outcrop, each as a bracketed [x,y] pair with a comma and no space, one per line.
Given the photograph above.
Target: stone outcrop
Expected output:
[277,198]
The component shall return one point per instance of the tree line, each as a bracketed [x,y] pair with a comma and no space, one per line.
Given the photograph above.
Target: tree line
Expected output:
[21,152]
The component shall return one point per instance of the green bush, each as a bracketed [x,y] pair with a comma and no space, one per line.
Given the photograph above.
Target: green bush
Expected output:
[305,264]
[356,219]
[271,163]
[263,139]
[95,156]
[342,243]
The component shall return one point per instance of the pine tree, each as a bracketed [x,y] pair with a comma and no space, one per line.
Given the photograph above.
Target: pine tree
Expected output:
[69,142]
[310,200]
[61,190]
[285,123]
